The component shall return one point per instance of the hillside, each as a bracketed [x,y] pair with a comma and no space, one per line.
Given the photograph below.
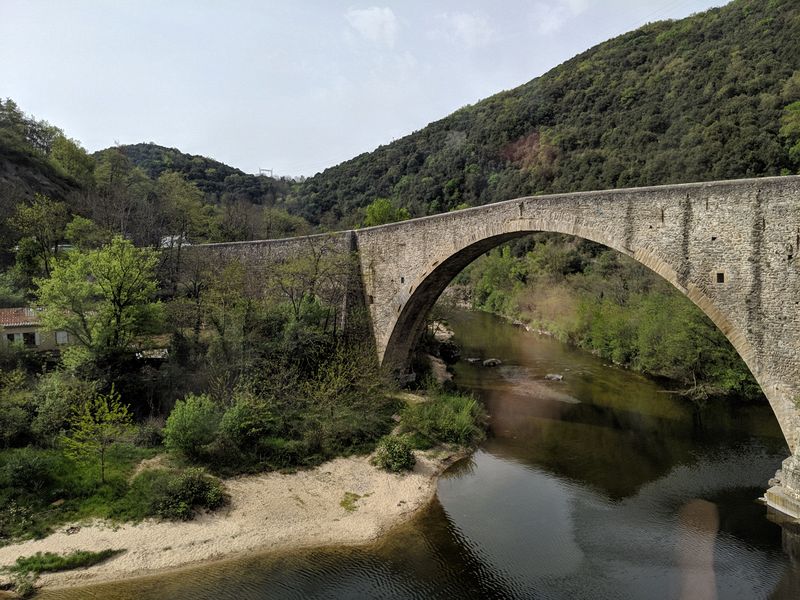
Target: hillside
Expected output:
[217,180]
[702,98]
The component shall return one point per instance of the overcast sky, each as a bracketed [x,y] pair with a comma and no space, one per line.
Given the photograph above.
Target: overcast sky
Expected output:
[295,86]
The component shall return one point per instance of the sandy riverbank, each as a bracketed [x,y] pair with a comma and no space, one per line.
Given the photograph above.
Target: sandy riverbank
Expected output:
[266,512]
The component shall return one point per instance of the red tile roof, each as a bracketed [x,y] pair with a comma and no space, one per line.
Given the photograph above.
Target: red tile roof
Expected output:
[18,317]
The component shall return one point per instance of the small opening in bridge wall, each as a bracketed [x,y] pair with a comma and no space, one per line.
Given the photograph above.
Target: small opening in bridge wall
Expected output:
[713,238]
[720,277]
[402,280]
[371,299]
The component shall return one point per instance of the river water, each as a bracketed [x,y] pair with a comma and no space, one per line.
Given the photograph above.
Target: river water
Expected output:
[602,485]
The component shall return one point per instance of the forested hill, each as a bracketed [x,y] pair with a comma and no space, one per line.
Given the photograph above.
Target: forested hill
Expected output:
[216,179]
[707,97]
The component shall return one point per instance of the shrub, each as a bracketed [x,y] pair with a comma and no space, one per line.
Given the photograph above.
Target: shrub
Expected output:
[14,423]
[447,418]
[247,422]
[394,454]
[182,495]
[192,425]
[26,469]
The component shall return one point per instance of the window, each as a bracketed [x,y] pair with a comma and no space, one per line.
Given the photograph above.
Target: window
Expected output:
[29,338]
[10,338]
[61,338]
[720,277]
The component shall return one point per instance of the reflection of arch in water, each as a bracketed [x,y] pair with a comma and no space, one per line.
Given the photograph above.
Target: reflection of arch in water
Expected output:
[728,246]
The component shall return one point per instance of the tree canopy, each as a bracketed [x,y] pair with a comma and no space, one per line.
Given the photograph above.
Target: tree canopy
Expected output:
[103,297]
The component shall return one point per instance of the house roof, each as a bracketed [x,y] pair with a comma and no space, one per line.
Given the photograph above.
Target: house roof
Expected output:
[18,317]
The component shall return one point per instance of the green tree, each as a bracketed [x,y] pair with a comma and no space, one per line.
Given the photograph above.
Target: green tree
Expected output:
[85,234]
[70,156]
[103,297]
[97,425]
[43,221]
[382,211]
[192,425]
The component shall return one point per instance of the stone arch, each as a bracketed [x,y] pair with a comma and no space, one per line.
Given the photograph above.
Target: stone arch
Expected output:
[415,303]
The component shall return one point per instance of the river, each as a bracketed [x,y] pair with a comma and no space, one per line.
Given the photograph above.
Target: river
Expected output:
[602,485]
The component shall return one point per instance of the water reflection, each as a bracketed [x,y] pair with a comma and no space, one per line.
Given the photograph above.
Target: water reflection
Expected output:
[598,486]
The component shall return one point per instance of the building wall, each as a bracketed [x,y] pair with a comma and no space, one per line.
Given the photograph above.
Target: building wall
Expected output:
[44,340]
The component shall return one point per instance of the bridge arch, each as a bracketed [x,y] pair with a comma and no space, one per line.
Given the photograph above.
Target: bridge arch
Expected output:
[728,246]
[411,320]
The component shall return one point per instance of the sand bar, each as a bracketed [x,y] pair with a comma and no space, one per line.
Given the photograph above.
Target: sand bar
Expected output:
[267,512]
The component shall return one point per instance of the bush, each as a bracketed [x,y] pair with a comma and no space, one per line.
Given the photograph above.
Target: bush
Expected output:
[394,454]
[247,422]
[27,470]
[182,495]
[447,418]
[192,425]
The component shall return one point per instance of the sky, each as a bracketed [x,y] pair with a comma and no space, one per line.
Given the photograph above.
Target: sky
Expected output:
[294,86]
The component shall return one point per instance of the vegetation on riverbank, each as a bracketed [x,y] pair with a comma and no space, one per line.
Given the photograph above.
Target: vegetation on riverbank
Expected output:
[26,569]
[221,375]
[597,299]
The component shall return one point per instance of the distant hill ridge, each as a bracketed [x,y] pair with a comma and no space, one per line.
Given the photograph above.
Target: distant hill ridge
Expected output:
[697,99]
[712,96]
[211,176]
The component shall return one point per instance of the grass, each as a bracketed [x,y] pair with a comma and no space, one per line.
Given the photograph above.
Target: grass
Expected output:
[26,569]
[349,500]
[445,418]
[50,562]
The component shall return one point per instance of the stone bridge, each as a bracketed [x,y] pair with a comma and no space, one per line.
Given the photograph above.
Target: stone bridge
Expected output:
[732,247]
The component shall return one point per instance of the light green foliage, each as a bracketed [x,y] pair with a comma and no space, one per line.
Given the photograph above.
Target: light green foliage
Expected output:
[790,130]
[393,453]
[96,425]
[68,155]
[381,211]
[248,421]
[181,204]
[102,297]
[192,425]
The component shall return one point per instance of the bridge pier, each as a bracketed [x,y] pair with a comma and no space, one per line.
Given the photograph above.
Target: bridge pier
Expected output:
[784,496]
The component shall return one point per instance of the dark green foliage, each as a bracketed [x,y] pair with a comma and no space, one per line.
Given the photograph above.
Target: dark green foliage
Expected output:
[28,470]
[179,496]
[217,180]
[446,418]
[393,453]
